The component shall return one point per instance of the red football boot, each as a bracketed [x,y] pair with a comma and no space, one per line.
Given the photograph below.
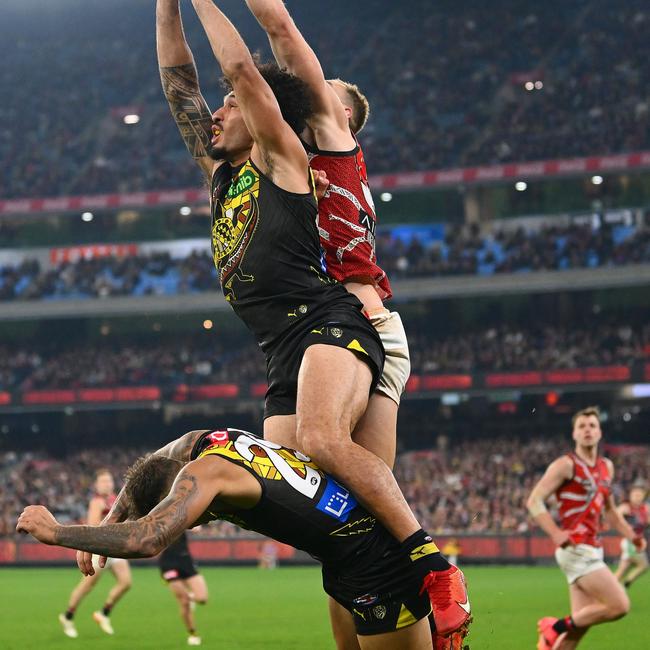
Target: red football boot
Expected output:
[449,603]
[547,635]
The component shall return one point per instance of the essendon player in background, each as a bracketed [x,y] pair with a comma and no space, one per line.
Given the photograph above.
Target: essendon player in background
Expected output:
[98,508]
[581,482]
[346,222]
[634,563]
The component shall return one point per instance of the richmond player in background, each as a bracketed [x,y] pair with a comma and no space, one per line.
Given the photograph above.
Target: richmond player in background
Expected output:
[581,482]
[634,563]
[98,508]
[185,582]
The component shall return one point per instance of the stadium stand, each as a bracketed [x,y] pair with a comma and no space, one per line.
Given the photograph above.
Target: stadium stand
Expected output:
[461,252]
[456,98]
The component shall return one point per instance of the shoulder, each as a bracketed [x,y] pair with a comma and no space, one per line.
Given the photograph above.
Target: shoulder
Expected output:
[564,464]
[609,464]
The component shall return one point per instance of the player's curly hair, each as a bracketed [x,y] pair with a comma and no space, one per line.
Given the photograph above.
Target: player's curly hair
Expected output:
[148,481]
[291,92]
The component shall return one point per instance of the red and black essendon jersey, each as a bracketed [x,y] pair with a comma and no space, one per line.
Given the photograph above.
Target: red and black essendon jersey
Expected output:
[108,500]
[346,218]
[639,518]
[581,500]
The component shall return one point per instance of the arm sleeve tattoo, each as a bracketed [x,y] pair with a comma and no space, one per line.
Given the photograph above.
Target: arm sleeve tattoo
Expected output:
[141,538]
[189,109]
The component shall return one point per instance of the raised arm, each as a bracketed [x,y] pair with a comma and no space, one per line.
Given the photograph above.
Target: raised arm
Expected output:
[292,52]
[143,537]
[180,82]
[277,151]
[558,472]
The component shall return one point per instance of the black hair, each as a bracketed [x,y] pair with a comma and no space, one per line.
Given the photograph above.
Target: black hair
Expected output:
[148,481]
[292,93]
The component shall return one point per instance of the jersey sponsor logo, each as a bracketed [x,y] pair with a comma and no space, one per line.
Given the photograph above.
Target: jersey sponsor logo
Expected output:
[336,501]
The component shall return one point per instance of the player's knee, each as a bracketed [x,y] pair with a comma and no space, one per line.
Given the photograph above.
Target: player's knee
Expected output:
[322,448]
[620,607]
[126,583]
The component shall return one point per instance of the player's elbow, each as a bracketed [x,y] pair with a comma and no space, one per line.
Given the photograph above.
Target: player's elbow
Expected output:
[149,546]
[239,68]
[535,504]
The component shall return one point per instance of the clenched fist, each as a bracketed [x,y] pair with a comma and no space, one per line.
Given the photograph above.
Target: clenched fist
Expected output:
[39,522]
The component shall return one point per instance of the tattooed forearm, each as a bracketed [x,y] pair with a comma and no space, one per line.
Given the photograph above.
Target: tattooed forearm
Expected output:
[142,538]
[189,109]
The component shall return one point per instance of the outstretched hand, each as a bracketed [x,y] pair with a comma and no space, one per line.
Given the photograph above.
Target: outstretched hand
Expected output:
[39,522]
[321,183]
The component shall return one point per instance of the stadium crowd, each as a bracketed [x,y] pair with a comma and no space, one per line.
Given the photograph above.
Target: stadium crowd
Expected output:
[472,486]
[463,251]
[208,359]
[455,98]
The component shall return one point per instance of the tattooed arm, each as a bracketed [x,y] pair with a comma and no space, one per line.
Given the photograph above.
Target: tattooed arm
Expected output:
[180,82]
[192,492]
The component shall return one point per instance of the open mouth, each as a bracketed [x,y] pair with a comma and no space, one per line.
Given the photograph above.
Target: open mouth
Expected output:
[216,132]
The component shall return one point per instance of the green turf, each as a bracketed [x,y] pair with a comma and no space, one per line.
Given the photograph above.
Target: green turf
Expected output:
[251,609]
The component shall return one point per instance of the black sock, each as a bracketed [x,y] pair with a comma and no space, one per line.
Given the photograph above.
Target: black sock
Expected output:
[564,625]
[420,544]
[69,613]
[107,609]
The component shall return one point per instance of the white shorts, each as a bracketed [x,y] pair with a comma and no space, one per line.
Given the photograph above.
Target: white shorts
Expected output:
[577,561]
[397,366]
[110,562]
[629,552]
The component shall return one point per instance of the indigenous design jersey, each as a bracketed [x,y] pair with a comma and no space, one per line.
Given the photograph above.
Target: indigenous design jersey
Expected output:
[639,518]
[346,217]
[581,500]
[108,500]
[267,252]
[300,504]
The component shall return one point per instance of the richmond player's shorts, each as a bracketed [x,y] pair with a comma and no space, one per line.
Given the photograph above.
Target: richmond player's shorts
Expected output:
[579,560]
[179,567]
[385,596]
[397,366]
[346,327]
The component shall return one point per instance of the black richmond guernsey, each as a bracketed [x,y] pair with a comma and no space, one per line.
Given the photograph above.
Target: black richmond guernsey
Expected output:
[301,505]
[266,249]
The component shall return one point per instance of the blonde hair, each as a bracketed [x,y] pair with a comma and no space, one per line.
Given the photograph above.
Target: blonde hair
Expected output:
[358,103]
[586,412]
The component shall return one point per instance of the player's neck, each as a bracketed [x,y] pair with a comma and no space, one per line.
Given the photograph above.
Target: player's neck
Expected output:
[588,454]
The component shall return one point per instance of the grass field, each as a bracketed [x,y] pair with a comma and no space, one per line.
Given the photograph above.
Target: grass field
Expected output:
[283,609]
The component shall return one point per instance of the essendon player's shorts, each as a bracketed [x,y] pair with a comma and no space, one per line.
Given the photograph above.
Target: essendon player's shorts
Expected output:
[397,367]
[180,567]
[579,560]
[344,326]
